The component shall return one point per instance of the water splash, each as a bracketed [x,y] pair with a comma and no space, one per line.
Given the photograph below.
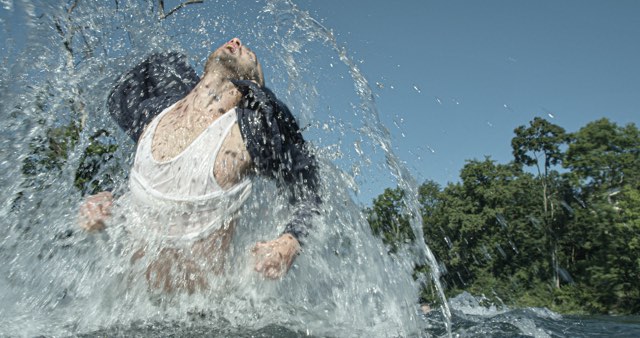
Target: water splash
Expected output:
[61,281]
[381,137]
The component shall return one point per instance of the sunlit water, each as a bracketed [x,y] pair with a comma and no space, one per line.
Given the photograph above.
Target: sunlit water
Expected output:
[58,64]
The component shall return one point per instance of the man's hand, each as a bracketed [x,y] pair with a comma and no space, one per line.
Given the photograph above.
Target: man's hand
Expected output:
[274,258]
[95,210]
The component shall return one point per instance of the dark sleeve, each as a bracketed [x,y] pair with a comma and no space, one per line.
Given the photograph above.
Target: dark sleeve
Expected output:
[146,90]
[278,150]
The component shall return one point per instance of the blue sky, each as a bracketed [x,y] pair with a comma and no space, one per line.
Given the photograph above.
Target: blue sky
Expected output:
[481,68]
[454,78]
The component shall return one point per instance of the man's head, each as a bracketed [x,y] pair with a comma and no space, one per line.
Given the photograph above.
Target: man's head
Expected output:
[235,61]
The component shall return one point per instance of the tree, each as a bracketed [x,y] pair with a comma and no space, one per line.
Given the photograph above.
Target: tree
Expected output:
[604,164]
[603,156]
[480,229]
[539,145]
[428,197]
[492,231]
[388,219]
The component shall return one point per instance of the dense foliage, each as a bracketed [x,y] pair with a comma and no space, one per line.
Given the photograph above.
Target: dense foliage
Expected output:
[559,226]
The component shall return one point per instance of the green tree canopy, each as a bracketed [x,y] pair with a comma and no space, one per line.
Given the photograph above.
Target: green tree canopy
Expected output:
[603,154]
[566,240]
[389,220]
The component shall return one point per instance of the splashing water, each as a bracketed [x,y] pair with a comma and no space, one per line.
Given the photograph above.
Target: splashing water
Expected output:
[58,66]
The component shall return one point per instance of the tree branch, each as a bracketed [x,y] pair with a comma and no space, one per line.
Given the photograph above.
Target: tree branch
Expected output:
[177,8]
[72,7]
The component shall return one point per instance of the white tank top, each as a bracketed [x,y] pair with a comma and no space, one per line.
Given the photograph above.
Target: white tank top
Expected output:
[181,197]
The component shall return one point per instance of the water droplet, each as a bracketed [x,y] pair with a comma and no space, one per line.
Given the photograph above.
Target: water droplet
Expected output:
[513,246]
[431,150]
[581,202]
[448,241]
[416,88]
[356,145]
[567,207]
[534,221]
[501,221]
[565,275]
[502,253]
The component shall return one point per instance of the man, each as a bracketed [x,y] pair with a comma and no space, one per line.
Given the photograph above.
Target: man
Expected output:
[199,141]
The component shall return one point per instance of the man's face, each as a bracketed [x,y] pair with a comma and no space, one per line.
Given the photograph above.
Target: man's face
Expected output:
[237,59]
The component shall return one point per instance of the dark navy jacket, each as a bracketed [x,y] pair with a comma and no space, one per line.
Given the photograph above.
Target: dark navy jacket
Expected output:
[270,132]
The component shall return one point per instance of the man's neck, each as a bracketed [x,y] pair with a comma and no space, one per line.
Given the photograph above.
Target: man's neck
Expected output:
[214,91]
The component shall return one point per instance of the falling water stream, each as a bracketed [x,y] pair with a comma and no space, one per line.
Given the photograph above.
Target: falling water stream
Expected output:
[59,61]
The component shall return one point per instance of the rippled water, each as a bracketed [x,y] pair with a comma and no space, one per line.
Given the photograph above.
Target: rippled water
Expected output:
[58,64]
[472,318]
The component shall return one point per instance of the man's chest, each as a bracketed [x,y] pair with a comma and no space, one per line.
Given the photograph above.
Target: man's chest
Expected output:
[177,134]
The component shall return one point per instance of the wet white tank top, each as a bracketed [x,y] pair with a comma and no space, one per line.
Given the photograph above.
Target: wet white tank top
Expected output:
[181,198]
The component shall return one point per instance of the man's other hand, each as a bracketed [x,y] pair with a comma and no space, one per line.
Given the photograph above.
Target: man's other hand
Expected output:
[274,258]
[95,210]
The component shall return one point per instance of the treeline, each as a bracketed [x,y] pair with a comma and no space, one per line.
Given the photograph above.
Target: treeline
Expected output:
[558,226]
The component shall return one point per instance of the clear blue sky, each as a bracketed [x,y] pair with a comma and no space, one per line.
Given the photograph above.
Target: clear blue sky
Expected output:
[484,67]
